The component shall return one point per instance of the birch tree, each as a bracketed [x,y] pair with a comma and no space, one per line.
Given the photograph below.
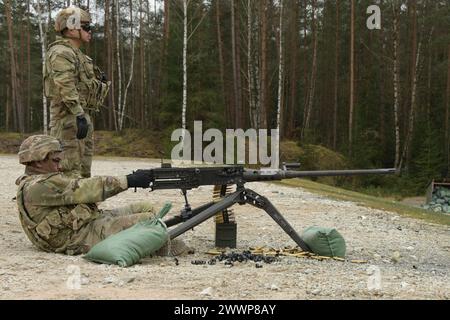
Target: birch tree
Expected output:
[415,65]
[43,38]
[312,81]
[396,81]
[186,37]
[119,66]
[280,74]
[124,103]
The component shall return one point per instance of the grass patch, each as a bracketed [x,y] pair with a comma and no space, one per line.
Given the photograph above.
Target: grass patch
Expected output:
[369,201]
[129,143]
[10,142]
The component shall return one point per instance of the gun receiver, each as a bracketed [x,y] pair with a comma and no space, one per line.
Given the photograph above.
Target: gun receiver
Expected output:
[193,177]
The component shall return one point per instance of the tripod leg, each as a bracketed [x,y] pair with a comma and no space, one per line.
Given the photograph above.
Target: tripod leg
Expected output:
[211,211]
[179,218]
[261,202]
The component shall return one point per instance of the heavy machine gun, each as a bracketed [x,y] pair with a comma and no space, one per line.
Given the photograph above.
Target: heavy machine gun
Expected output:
[168,177]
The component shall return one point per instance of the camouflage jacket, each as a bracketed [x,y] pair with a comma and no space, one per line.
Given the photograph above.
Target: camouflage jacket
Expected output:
[71,81]
[55,210]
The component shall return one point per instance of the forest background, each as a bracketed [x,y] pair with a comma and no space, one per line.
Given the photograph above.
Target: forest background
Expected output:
[345,89]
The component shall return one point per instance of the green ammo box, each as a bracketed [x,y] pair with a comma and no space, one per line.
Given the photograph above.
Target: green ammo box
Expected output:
[226,235]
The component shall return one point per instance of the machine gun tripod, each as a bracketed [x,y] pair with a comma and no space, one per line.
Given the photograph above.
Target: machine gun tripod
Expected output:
[241,196]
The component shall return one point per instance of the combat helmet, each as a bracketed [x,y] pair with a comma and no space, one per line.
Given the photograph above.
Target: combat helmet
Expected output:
[71,18]
[36,148]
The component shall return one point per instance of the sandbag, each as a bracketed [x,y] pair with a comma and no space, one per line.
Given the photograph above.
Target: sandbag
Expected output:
[325,241]
[129,246]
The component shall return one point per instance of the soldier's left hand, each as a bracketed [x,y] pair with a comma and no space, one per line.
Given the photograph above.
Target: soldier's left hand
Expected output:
[82,127]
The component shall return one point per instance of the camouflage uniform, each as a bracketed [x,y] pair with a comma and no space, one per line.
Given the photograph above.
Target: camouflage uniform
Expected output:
[59,213]
[75,87]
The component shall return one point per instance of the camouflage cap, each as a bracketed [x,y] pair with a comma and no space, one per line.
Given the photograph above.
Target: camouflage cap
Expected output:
[71,18]
[36,148]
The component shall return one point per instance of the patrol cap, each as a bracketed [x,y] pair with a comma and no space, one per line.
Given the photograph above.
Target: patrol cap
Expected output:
[71,18]
[36,148]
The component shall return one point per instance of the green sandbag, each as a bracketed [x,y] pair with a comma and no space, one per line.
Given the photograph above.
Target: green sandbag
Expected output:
[325,241]
[129,246]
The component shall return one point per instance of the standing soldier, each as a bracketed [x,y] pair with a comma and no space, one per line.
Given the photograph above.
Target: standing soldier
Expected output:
[76,89]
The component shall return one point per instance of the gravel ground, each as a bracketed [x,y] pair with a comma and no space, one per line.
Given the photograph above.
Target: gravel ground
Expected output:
[405,258]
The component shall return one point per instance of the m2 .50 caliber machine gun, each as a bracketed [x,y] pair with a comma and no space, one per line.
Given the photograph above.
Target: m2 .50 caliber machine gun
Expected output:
[168,177]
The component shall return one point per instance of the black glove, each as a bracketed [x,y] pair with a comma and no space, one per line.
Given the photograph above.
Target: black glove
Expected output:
[82,127]
[139,179]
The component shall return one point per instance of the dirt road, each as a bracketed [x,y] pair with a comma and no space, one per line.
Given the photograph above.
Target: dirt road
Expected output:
[406,258]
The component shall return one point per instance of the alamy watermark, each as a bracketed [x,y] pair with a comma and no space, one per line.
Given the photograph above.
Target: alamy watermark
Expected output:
[374,280]
[73,282]
[374,21]
[191,146]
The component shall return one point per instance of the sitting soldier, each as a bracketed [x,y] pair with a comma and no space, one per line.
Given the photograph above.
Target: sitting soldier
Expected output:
[59,213]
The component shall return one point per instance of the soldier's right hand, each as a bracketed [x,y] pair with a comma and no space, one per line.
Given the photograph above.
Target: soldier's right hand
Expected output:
[82,127]
[139,179]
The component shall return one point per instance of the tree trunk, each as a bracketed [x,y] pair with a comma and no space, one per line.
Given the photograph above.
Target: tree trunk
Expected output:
[241,111]
[21,79]
[109,63]
[119,67]
[312,82]
[162,74]
[336,78]
[151,91]
[221,65]
[294,45]
[305,60]
[352,79]
[43,38]
[8,107]
[125,95]
[264,64]
[447,111]
[252,94]
[280,75]
[238,114]
[29,107]
[415,61]
[142,67]
[185,43]
[166,30]
[396,83]
[15,86]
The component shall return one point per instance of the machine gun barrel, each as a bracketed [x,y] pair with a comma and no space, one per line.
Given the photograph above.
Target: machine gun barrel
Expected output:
[268,175]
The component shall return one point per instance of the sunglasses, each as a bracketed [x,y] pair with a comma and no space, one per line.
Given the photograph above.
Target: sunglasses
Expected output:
[87,27]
